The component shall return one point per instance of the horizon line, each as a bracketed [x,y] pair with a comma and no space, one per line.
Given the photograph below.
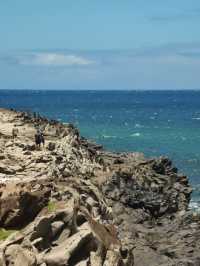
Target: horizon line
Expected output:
[101,90]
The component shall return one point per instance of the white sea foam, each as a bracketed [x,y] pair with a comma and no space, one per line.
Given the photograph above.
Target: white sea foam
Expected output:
[138,126]
[196,118]
[195,206]
[108,136]
[137,134]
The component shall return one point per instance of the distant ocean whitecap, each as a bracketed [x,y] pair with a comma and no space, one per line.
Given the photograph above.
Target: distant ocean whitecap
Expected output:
[137,134]
[138,126]
[108,136]
[196,118]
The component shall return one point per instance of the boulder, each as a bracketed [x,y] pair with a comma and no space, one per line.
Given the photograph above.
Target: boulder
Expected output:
[73,250]
[51,146]
[18,210]
[5,169]
[15,255]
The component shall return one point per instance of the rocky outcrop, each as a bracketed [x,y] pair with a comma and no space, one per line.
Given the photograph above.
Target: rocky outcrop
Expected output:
[73,203]
[152,186]
[20,206]
[150,205]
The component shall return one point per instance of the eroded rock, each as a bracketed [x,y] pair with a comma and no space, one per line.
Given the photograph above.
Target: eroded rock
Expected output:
[16,210]
[133,210]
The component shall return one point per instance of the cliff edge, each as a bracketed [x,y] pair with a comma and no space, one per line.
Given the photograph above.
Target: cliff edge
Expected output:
[73,203]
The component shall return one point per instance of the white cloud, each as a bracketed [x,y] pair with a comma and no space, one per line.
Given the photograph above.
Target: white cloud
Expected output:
[53,59]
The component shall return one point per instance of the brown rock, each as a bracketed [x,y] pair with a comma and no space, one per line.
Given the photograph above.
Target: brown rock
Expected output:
[70,250]
[18,210]
[15,255]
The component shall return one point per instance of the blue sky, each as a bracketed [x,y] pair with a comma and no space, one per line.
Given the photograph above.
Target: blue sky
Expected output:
[107,44]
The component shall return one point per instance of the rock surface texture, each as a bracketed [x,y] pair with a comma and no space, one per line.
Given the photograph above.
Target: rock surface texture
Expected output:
[71,203]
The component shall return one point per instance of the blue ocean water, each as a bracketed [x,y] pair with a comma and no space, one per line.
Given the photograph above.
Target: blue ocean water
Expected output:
[153,122]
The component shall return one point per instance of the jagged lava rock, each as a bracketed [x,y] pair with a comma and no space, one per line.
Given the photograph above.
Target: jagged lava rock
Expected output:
[140,204]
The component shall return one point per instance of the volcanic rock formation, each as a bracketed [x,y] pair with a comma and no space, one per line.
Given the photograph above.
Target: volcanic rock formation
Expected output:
[73,203]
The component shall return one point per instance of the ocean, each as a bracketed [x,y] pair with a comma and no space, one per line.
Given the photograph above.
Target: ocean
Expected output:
[153,122]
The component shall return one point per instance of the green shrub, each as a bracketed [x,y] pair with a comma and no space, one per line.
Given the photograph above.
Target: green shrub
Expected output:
[51,206]
[5,233]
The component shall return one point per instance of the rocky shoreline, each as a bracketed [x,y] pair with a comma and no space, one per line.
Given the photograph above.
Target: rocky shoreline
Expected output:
[73,203]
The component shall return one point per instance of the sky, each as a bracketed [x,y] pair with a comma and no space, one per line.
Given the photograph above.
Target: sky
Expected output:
[92,44]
